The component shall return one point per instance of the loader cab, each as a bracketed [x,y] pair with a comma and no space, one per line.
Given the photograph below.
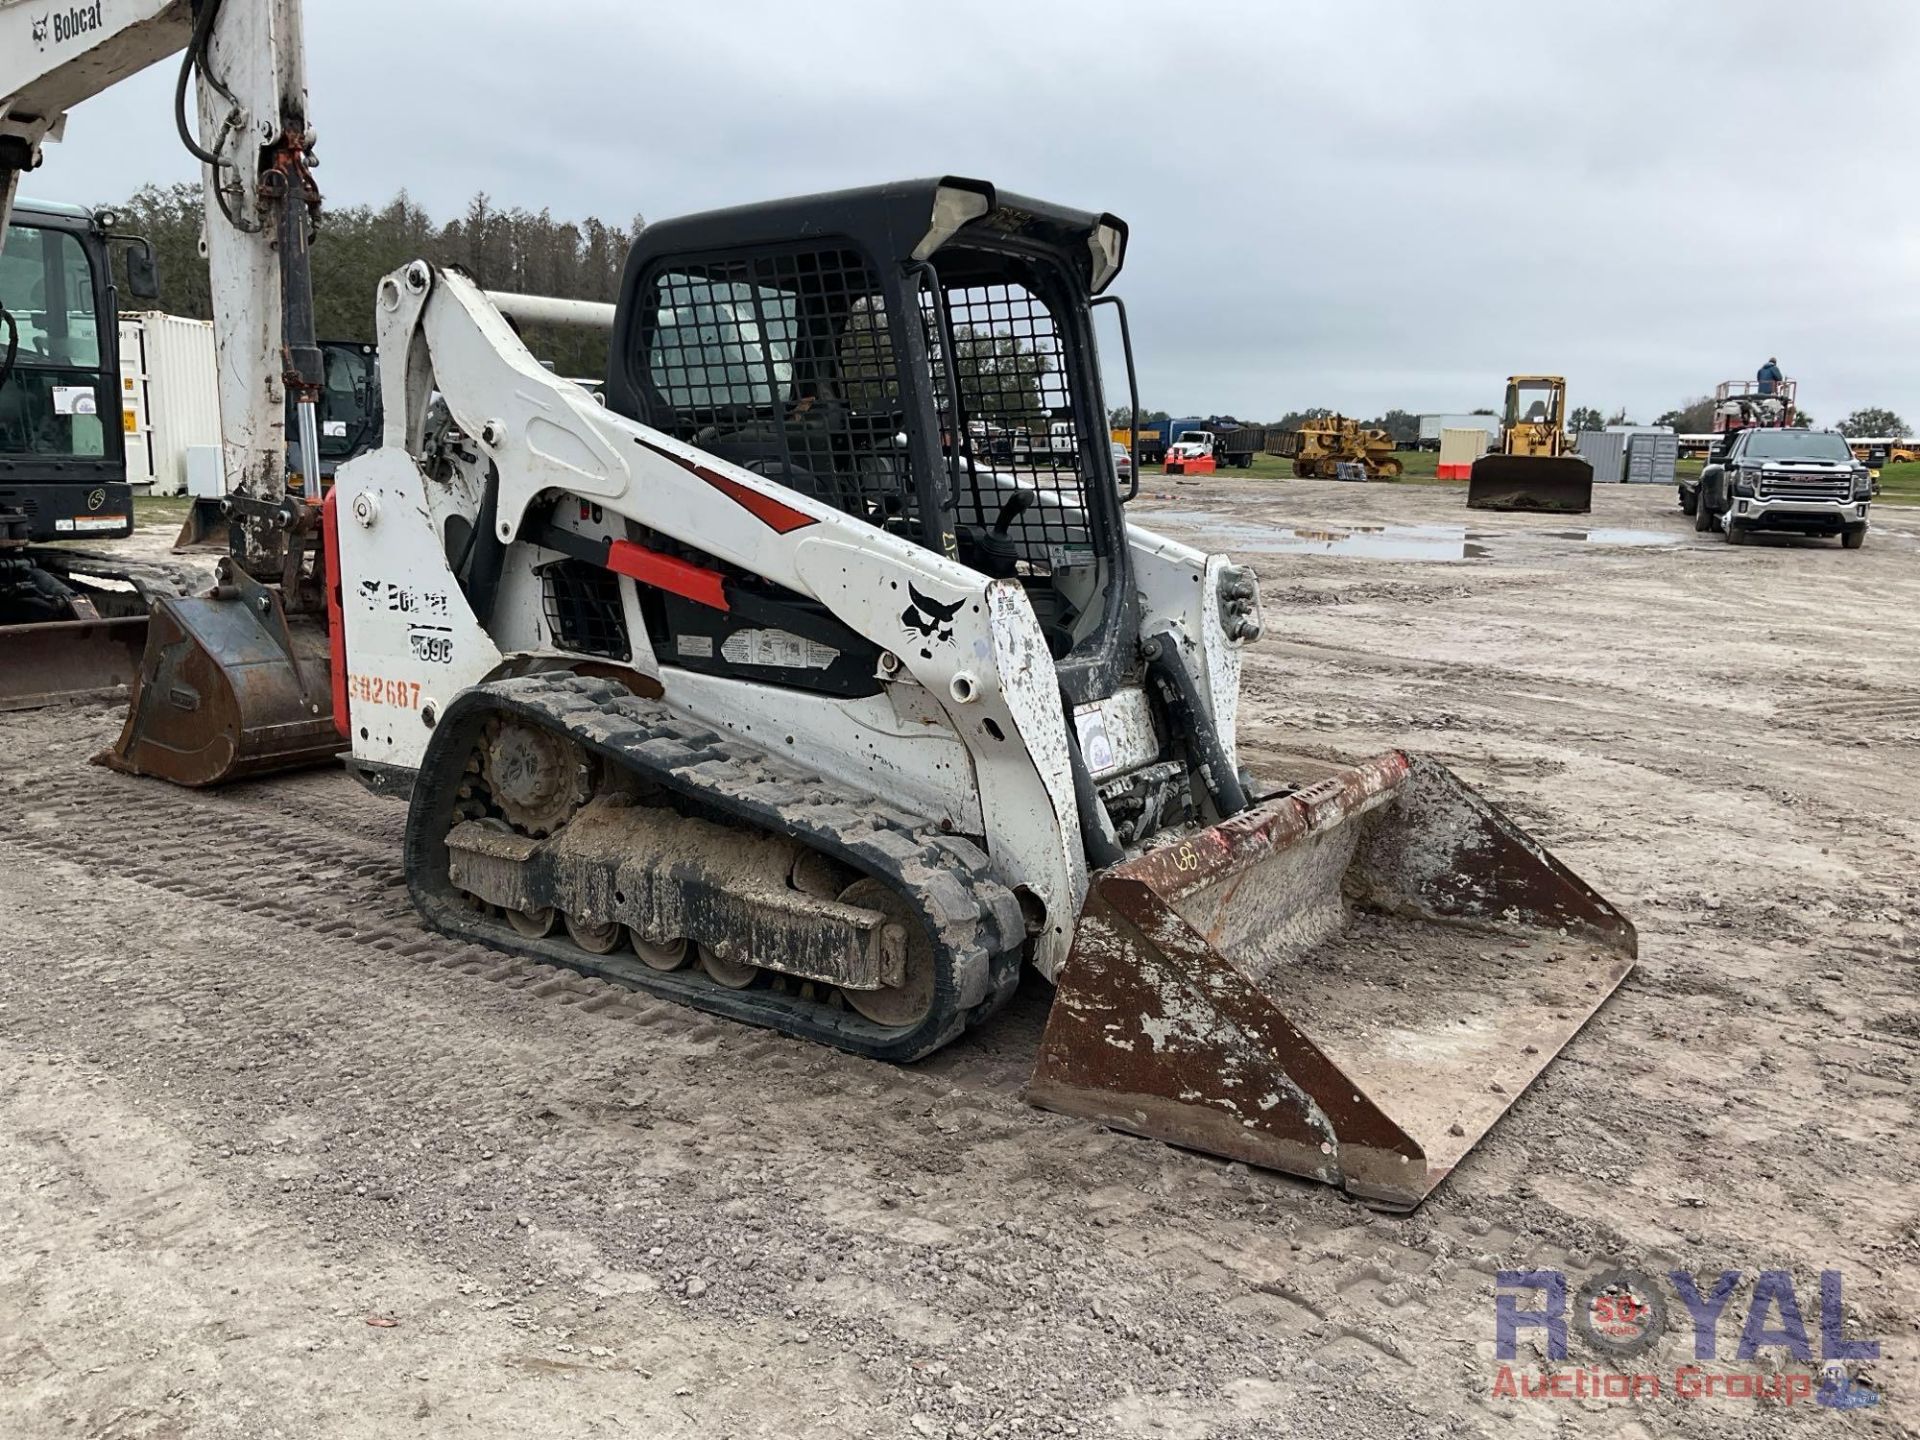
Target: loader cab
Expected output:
[1535,415]
[876,350]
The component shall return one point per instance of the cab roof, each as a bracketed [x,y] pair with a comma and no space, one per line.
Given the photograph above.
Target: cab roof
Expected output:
[891,221]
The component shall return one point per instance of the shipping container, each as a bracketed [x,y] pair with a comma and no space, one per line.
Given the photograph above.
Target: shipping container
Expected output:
[1606,451]
[1651,458]
[1463,444]
[1432,425]
[169,394]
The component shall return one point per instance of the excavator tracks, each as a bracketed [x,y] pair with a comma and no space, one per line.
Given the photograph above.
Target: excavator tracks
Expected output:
[964,930]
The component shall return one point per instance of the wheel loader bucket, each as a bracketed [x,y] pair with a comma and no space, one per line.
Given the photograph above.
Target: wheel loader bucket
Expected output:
[229,687]
[1554,484]
[1351,982]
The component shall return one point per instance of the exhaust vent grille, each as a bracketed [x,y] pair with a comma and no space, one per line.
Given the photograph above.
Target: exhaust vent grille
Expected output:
[583,610]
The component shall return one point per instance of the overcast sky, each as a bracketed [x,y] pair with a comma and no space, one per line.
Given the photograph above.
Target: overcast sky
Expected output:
[1359,204]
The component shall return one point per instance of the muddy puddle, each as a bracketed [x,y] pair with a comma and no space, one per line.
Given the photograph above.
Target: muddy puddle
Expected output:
[1390,542]
[1615,537]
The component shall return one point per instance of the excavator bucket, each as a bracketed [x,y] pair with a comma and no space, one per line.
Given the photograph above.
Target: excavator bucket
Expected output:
[1554,484]
[230,687]
[1350,982]
[205,528]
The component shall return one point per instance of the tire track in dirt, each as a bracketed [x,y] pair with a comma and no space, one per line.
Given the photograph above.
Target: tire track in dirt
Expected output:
[922,1236]
[322,857]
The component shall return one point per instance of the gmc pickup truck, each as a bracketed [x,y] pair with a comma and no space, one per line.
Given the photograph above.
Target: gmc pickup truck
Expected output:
[1768,478]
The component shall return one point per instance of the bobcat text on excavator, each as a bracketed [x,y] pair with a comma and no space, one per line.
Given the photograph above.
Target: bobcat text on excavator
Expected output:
[771,686]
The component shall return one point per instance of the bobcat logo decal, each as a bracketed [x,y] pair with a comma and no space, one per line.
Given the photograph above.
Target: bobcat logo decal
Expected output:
[69,24]
[929,617]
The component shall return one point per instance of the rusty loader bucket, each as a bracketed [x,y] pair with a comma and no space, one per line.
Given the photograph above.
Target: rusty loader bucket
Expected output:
[1552,484]
[230,687]
[1351,982]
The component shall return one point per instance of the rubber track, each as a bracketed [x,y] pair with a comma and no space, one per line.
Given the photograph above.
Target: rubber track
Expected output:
[975,921]
[318,857]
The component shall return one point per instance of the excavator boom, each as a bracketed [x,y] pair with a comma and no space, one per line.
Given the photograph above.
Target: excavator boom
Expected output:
[252,136]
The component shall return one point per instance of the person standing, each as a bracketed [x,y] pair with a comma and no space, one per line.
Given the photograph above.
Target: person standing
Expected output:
[1769,376]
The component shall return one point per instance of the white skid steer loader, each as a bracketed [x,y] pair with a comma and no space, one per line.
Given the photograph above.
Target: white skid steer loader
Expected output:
[783,681]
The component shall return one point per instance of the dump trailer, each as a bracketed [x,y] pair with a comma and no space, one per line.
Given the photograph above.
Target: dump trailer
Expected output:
[740,704]
[72,622]
[1234,444]
[1534,468]
[1147,443]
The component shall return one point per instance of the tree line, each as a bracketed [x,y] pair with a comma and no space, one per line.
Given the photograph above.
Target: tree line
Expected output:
[509,248]
[503,248]
[1695,417]
[1402,425]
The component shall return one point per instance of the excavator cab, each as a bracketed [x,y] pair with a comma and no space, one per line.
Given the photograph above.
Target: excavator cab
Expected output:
[349,416]
[72,623]
[1533,469]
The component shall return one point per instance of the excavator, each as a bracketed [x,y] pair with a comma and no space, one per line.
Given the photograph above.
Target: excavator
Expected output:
[72,621]
[750,681]
[1534,468]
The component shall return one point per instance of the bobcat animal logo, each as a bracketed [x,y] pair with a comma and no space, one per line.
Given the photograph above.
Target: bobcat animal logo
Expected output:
[929,617]
[40,30]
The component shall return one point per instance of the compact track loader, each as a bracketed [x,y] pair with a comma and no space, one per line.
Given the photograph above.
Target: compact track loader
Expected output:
[761,687]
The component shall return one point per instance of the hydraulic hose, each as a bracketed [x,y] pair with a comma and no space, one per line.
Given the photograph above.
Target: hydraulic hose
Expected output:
[196,49]
[13,344]
[195,59]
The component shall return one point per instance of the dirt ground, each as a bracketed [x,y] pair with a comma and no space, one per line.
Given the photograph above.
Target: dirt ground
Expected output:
[275,1162]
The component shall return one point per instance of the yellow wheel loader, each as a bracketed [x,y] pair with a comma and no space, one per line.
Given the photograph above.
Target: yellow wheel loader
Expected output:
[1534,468]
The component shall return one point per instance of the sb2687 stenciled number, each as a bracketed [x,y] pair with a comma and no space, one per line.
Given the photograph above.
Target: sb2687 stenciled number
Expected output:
[383,690]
